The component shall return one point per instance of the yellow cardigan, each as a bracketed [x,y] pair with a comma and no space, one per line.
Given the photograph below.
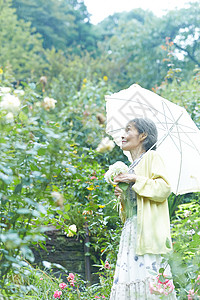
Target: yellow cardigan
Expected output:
[152,189]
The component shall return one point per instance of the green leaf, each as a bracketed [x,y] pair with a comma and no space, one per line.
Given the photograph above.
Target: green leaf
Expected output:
[23,211]
[5,178]
[46,264]
[161,270]
[123,186]
[168,243]
[28,254]
[152,272]
[67,207]
[18,188]
[162,278]
[22,116]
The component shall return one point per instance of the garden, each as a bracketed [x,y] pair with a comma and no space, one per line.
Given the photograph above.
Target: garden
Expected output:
[54,147]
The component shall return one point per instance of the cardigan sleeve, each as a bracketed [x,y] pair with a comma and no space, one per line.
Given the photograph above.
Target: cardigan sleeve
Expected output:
[154,184]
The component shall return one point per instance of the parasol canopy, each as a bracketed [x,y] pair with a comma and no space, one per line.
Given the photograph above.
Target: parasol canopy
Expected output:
[178,136]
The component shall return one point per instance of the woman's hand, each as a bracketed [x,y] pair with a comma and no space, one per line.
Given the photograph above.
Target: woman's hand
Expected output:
[125,177]
[118,191]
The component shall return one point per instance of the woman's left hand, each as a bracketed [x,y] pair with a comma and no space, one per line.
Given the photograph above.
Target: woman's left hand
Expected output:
[125,177]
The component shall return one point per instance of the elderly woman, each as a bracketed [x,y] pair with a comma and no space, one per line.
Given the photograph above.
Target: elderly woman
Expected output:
[144,209]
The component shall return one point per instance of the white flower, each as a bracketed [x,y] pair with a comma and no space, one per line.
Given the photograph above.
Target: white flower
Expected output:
[10,103]
[59,199]
[72,230]
[18,92]
[49,103]
[38,104]
[114,170]
[187,213]
[191,232]
[4,90]
[105,145]
[10,117]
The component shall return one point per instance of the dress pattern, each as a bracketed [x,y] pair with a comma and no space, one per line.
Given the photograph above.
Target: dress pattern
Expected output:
[132,276]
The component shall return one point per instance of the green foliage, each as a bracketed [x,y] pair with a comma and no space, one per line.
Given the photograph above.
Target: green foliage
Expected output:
[129,49]
[21,47]
[62,24]
[120,44]
[133,44]
[184,32]
[47,149]
[186,229]
[183,93]
[28,165]
[184,260]
[38,284]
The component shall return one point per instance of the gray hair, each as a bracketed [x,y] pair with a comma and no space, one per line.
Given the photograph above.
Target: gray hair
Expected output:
[146,126]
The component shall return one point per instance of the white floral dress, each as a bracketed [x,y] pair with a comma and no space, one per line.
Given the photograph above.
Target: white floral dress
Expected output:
[132,276]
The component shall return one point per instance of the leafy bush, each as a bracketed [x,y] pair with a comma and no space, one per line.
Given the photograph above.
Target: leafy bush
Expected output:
[50,173]
[185,259]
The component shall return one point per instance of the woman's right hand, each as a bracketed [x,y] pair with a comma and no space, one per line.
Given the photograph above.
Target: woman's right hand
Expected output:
[118,191]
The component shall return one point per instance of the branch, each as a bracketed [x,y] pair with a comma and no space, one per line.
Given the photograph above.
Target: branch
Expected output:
[188,53]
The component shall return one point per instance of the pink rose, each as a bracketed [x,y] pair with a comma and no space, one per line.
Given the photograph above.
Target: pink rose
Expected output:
[93,177]
[198,279]
[72,282]
[57,294]
[166,280]
[158,288]
[191,294]
[70,278]
[107,266]
[62,285]
[71,275]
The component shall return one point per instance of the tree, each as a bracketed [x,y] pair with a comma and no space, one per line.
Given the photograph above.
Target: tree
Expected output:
[63,24]
[20,46]
[130,55]
[133,43]
[185,35]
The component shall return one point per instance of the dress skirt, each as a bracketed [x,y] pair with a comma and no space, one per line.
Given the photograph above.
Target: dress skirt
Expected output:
[132,276]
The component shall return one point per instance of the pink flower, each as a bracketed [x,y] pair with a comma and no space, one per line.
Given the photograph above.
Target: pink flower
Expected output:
[198,279]
[97,297]
[103,297]
[72,282]
[157,287]
[70,278]
[41,278]
[57,294]
[71,275]
[169,287]
[93,177]
[166,280]
[191,293]
[62,285]
[107,266]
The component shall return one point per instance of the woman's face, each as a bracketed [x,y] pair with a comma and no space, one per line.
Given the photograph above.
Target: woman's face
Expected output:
[131,139]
